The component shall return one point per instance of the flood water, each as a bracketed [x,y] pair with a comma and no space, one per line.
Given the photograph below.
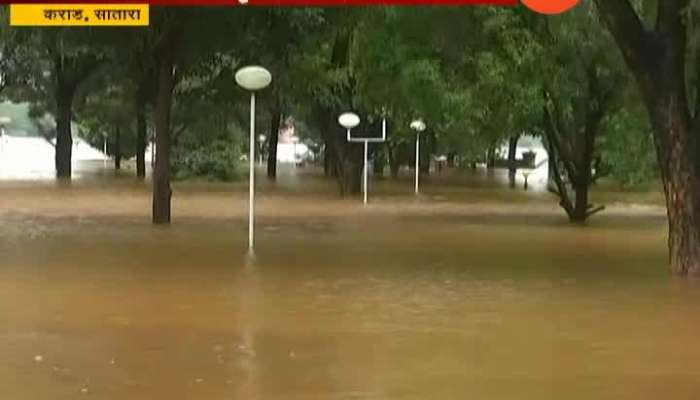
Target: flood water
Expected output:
[460,294]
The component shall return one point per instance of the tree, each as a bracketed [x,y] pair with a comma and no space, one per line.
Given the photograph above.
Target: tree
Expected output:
[186,38]
[141,69]
[63,60]
[106,113]
[582,87]
[166,53]
[278,38]
[405,74]
[657,57]
[16,60]
[332,96]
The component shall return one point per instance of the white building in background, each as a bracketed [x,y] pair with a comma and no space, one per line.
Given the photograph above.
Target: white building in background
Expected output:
[33,157]
[26,155]
[290,149]
[537,177]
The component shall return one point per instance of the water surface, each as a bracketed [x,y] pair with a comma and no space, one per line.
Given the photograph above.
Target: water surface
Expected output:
[460,294]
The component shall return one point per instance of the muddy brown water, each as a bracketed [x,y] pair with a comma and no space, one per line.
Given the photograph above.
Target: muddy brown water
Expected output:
[433,298]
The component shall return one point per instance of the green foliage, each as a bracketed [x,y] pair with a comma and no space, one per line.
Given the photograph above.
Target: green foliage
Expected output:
[21,124]
[628,150]
[104,111]
[217,160]
[475,75]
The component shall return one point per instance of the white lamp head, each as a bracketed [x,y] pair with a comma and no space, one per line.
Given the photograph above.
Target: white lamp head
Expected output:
[418,125]
[253,77]
[349,120]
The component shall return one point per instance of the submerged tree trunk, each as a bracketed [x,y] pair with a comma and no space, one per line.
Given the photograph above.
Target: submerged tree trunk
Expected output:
[676,142]
[161,174]
[275,124]
[393,156]
[353,163]
[571,142]
[347,157]
[682,191]
[69,72]
[64,137]
[427,149]
[571,163]
[451,160]
[512,166]
[117,148]
[141,133]
[658,60]
[491,158]
[379,161]
[328,162]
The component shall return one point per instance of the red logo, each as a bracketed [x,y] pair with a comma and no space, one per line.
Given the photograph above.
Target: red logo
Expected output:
[550,6]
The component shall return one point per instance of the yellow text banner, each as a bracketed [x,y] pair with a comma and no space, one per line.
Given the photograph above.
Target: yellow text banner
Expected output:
[79,15]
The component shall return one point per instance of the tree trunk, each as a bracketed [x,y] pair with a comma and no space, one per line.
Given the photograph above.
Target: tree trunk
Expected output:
[574,167]
[379,161]
[393,158]
[658,60]
[117,148]
[491,158]
[394,167]
[64,137]
[580,213]
[69,73]
[275,123]
[451,160]
[353,162]
[327,161]
[161,174]
[425,151]
[346,156]
[512,167]
[141,133]
[681,184]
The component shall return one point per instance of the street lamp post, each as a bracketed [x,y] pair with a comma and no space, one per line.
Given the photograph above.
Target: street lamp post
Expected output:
[252,78]
[418,126]
[350,120]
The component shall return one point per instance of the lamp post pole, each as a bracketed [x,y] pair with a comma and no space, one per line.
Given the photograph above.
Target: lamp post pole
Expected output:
[418,126]
[252,78]
[251,184]
[364,189]
[417,159]
[349,121]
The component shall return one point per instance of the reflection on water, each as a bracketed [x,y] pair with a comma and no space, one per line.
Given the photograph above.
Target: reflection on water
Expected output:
[427,299]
